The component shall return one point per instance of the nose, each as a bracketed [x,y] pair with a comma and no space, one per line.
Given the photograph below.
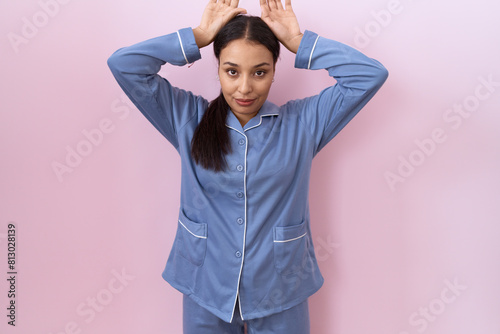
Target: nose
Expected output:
[245,86]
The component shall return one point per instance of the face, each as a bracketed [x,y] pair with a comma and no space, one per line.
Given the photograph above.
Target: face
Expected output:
[246,72]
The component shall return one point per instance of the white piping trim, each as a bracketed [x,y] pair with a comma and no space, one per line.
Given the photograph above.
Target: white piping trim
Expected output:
[198,236]
[260,121]
[234,129]
[303,235]
[245,227]
[182,48]
[239,302]
[310,56]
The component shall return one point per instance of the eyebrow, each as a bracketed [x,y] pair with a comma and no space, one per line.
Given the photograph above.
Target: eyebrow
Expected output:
[236,65]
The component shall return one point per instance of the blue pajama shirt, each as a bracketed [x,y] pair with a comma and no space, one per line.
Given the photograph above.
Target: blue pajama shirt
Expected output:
[246,232]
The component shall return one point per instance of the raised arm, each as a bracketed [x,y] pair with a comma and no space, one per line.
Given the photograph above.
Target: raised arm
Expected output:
[357,76]
[136,68]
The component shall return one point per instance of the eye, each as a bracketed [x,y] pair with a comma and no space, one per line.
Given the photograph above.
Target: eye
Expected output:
[260,73]
[232,72]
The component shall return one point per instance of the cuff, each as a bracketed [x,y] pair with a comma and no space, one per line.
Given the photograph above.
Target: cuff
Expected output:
[188,44]
[305,52]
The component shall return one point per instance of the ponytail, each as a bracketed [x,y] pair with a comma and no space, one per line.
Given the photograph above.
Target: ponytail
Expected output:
[210,142]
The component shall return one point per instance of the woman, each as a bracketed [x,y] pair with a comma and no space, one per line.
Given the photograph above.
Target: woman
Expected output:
[243,254]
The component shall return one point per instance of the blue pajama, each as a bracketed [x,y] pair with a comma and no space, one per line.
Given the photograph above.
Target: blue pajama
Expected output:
[244,234]
[198,320]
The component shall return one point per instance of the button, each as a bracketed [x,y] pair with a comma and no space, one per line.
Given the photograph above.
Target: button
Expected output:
[239,221]
[240,194]
[239,168]
[241,141]
[237,254]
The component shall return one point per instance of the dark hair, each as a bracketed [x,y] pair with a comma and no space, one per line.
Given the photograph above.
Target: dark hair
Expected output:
[210,141]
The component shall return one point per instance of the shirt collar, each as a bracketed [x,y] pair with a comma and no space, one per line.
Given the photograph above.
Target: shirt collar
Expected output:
[267,109]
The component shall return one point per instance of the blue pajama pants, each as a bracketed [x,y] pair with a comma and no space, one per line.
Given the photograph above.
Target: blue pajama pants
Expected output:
[197,320]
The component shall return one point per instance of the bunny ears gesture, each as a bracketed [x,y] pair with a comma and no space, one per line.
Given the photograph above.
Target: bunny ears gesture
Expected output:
[283,22]
[281,19]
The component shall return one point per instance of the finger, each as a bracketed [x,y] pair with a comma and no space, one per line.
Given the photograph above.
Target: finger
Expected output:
[263,3]
[264,7]
[238,11]
[234,3]
[272,4]
[288,4]
[212,1]
[279,4]
[232,14]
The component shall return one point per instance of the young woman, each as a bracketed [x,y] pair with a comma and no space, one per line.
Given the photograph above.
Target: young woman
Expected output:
[243,254]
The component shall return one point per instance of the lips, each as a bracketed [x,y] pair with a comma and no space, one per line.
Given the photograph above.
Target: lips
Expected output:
[245,102]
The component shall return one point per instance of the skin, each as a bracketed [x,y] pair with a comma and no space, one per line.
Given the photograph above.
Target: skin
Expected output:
[242,79]
[246,72]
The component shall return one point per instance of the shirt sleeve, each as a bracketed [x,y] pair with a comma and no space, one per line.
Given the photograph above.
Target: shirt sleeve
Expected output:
[358,79]
[136,68]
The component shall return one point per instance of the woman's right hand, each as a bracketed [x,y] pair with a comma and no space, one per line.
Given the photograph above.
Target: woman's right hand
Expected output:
[216,15]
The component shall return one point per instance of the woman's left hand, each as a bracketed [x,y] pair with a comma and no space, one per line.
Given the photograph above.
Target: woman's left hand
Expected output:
[282,22]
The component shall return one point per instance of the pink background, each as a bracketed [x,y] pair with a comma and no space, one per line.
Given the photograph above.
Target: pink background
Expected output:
[389,250]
